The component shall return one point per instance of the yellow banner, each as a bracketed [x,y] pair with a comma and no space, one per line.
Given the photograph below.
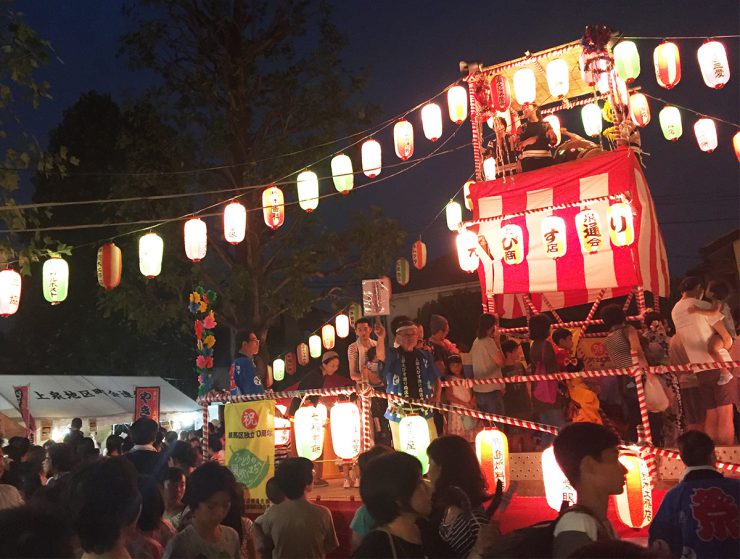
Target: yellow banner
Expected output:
[250,446]
[593,352]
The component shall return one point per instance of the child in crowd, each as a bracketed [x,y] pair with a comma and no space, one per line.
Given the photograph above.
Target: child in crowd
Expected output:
[717,292]
[362,523]
[274,494]
[517,398]
[174,491]
[462,396]
[586,403]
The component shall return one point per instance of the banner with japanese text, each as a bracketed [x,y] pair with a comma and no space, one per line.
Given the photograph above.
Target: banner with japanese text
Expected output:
[250,446]
[21,394]
[147,402]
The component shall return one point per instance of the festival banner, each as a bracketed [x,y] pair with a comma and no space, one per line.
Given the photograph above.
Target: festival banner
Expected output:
[21,394]
[593,352]
[147,402]
[250,446]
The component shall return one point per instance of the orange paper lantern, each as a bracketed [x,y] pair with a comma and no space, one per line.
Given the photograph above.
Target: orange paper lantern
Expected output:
[109,266]
[492,450]
[273,207]
[457,103]
[328,336]
[635,504]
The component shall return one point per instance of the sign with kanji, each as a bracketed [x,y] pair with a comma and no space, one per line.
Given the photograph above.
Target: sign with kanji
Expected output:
[147,402]
[21,394]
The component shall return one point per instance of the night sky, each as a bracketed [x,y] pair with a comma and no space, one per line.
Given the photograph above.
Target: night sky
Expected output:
[412,49]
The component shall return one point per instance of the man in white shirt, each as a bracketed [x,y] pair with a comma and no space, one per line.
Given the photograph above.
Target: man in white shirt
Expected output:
[487,360]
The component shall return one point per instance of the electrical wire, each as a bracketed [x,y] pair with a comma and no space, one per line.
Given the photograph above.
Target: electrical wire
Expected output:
[653,97]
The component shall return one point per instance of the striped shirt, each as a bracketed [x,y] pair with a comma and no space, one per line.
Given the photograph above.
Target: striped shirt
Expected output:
[618,347]
[357,357]
[461,533]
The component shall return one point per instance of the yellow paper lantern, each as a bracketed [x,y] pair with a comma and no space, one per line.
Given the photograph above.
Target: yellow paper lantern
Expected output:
[591,116]
[10,292]
[282,427]
[309,424]
[314,346]
[667,62]
[342,325]
[621,224]
[706,134]
[557,486]
[457,103]
[453,213]
[196,239]
[489,168]
[588,224]
[278,369]
[273,207]
[342,173]
[736,144]
[403,139]
[308,191]
[372,158]
[345,430]
[639,109]
[525,86]
[512,244]
[431,121]
[55,279]
[413,431]
[635,504]
[627,61]
[151,249]
[492,450]
[713,63]
[554,236]
[557,78]
[328,336]
[235,223]
[466,195]
[467,243]
[670,123]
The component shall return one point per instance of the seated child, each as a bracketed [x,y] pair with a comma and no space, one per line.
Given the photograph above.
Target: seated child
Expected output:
[586,402]
[718,292]
[517,398]
[462,396]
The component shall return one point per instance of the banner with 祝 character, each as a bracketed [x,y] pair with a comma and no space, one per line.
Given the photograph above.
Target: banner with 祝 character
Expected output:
[21,395]
[250,446]
[146,402]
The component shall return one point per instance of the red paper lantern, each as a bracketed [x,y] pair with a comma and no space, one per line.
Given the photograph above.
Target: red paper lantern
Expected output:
[273,207]
[403,138]
[639,109]
[500,93]
[667,62]
[290,363]
[419,255]
[303,353]
[109,266]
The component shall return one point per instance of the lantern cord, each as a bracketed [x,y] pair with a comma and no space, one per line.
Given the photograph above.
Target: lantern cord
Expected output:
[733,124]
[440,212]
[678,38]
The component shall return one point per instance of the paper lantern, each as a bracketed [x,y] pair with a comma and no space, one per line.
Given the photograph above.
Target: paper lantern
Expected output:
[621,224]
[235,223]
[670,123]
[278,369]
[512,244]
[605,81]
[706,134]
[500,93]
[457,103]
[282,427]
[453,213]
[635,504]
[593,64]
[196,239]
[525,86]
[304,354]
[588,224]
[413,432]
[736,144]
[402,271]
[489,168]
[309,424]
[591,116]
[667,62]
[554,236]
[55,279]
[354,312]
[273,207]
[308,191]
[431,121]
[372,158]
[554,123]
[342,174]
[419,255]
[345,430]
[627,61]
[639,109]
[342,325]
[557,78]
[314,346]
[620,95]
[492,450]
[713,63]
[466,195]
[557,486]
[403,139]
[109,266]
[290,363]
[10,292]
[151,249]
[467,243]
[327,336]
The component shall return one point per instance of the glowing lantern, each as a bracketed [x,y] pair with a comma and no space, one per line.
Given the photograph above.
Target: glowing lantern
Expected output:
[354,312]
[489,168]
[554,236]
[457,103]
[627,61]
[342,325]
[670,123]
[557,486]
[308,191]
[554,123]
[525,86]
[372,158]
[273,207]
[706,134]
[500,93]
[278,369]
[492,450]
[620,94]
[466,195]
[55,279]
[512,244]
[431,121]
[196,239]
[621,224]
[290,363]
[413,432]
[342,174]
[605,81]
[314,346]
[667,62]
[713,63]
[635,504]
[453,213]
[151,249]
[402,271]
[303,353]
[109,266]
[403,139]
[235,222]
[327,336]
[591,116]
[557,78]
[309,424]
[10,292]
[345,430]
[588,224]
[419,255]
[736,144]
[639,109]
[467,243]
[282,427]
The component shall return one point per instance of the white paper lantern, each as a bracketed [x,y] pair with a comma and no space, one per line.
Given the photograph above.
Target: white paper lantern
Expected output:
[554,236]
[308,191]
[196,239]
[345,430]
[639,109]
[512,244]
[457,103]
[403,139]
[453,213]
[273,207]
[372,158]
[557,78]
[489,168]
[492,450]
[706,134]
[591,116]
[342,173]
[309,424]
[554,123]
[557,486]
[431,121]
[151,250]
[466,194]
[525,86]
[670,123]
[713,63]
[282,427]
[314,346]
[235,222]
[621,224]
[10,292]
[590,233]
[342,325]
[278,369]
[467,243]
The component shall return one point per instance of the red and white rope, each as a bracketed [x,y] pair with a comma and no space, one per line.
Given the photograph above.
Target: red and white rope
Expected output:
[225,397]
[368,439]
[572,324]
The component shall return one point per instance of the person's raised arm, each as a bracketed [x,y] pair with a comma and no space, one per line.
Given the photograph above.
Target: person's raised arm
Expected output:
[380,348]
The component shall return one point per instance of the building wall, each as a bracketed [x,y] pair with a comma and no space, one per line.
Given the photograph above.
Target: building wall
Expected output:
[408,303]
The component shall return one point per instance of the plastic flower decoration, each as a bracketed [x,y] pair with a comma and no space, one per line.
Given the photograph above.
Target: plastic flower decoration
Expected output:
[209,341]
[199,305]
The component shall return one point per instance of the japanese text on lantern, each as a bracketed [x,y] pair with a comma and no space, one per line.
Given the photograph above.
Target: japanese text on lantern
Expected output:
[589,229]
[512,244]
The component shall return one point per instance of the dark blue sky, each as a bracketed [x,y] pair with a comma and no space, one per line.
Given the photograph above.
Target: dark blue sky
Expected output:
[412,49]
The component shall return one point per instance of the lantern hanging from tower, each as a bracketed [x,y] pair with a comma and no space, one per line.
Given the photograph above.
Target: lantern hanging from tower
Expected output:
[109,266]
[308,191]
[55,279]
[414,439]
[670,123]
[431,121]
[736,144]
[492,450]
[290,363]
[309,424]
[453,213]
[467,255]
[273,207]
[235,222]
[557,486]
[554,236]
[466,196]
[554,123]
[314,346]
[344,420]
[627,61]
[403,139]
[151,250]
[303,353]
[328,336]
[354,312]
[402,271]
[342,325]
[372,158]
[457,103]
[512,244]
[342,174]
[10,292]
[706,134]
[489,168]
[635,504]
[588,225]
[667,62]
[639,109]
[525,86]
[500,93]
[196,239]
[713,63]
[278,369]
[557,78]
[591,116]
[419,255]
[621,224]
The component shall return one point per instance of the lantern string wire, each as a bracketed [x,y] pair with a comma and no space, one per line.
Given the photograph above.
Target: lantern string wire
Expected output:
[684,37]
[654,98]
[440,212]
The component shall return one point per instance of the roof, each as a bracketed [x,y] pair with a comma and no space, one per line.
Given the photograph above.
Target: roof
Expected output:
[442,271]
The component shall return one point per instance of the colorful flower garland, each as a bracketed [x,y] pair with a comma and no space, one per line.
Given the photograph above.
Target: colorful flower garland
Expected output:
[200,305]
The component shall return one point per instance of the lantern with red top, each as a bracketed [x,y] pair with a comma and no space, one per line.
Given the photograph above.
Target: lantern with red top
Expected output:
[109,266]
[273,207]
[403,139]
[667,62]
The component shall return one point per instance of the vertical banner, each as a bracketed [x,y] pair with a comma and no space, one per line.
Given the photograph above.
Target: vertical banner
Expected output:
[21,394]
[147,402]
[250,446]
